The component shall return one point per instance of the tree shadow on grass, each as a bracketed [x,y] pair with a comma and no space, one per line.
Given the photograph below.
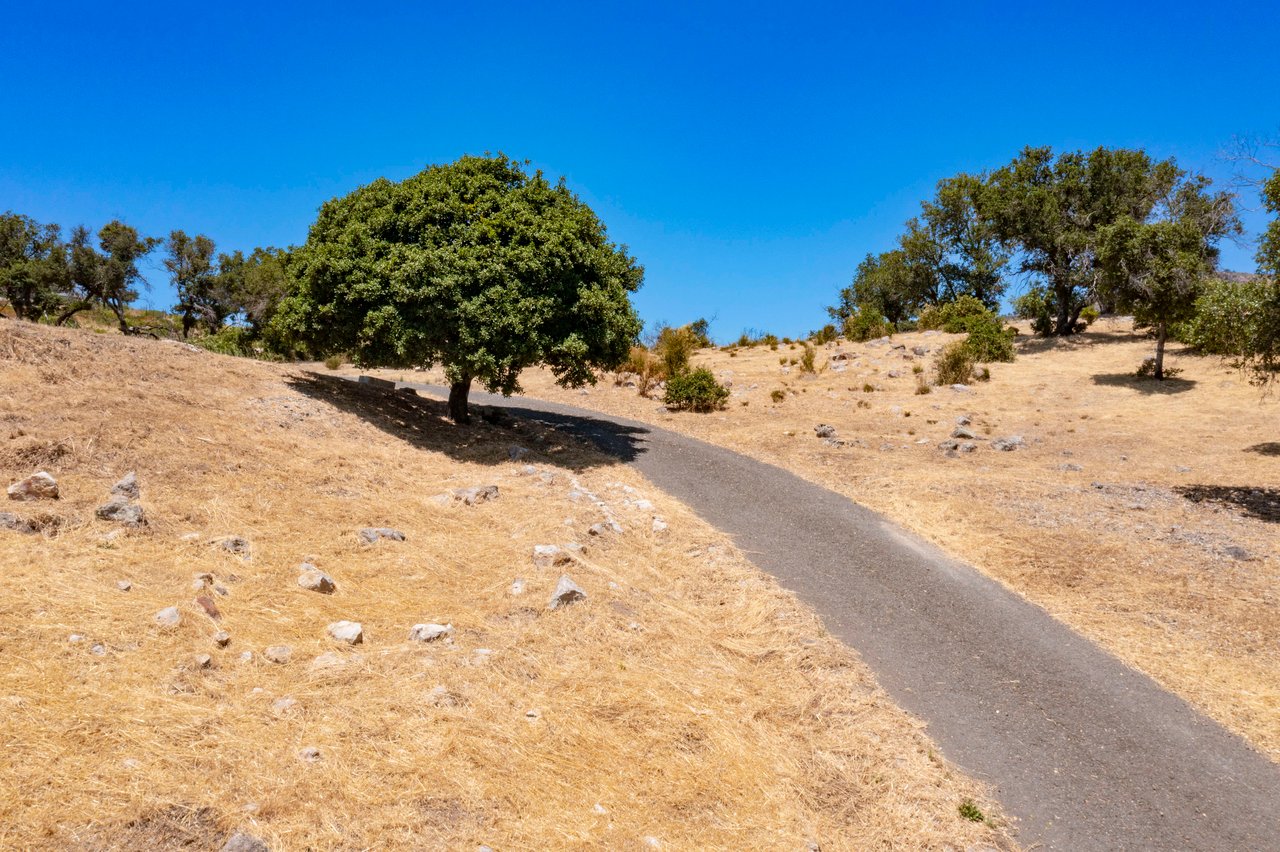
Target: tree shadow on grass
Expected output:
[1260,503]
[1269,448]
[421,421]
[1145,384]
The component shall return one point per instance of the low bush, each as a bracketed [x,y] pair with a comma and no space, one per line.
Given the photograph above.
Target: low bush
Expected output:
[951,316]
[954,365]
[827,334]
[989,338]
[806,360]
[866,324]
[333,362]
[696,390]
[1230,317]
[232,340]
[646,367]
[673,348]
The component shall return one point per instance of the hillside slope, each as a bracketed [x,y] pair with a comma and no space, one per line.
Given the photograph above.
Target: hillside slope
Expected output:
[686,702]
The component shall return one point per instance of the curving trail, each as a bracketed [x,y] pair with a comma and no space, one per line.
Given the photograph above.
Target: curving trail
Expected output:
[1085,752]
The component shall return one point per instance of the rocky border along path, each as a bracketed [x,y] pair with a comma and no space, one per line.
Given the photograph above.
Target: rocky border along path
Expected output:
[1084,751]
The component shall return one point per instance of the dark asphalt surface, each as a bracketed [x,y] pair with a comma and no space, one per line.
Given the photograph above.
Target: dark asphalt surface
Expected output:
[1086,753]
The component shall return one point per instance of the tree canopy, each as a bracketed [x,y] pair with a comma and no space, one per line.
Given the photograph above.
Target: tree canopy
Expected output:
[475,265]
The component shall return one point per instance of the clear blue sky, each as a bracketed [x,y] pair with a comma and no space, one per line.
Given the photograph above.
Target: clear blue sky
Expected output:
[748,154]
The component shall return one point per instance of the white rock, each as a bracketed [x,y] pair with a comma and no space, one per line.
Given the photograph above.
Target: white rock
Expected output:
[169,617]
[277,653]
[548,555]
[310,754]
[659,525]
[350,632]
[124,585]
[222,638]
[430,632]
[517,587]
[75,637]
[566,592]
[644,505]
[316,581]
[282,706]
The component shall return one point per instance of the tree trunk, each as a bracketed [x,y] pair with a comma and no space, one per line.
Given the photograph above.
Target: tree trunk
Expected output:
[1161,333]
[1063,325]
[458,401]
[66,315]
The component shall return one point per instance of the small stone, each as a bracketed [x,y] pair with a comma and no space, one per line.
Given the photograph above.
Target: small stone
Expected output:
[599,529]
[310,754]
[430,632]
[121,511]
[124,585]
[822,430]
[372,534]
[281,706]
[960,388]
[517,587]
[473,496]
[278,653]
[527,470]
[949,446]
[241,842]
[533,714]
[516,453]
[350,632]
[210,608]
[203,661]
[920,350]
[74,638]
[1070,467]
[98,650]
[37,486]
[234,544]
[13,523]
[439,696]
[222,638]
[127,487]
[549,555]
[600,809]
[566,592]
[1238,553]
[1009,444]
[967,447]
[246,656]
[659,525]
[962,432]
[316,581]
[963,420]
[644,505]
[168,617]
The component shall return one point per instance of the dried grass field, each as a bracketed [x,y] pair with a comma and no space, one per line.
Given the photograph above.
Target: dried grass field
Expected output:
[686,703]
[1144,514]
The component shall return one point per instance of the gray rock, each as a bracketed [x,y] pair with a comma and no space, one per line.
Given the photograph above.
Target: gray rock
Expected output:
[127,487]
[1070,467]
[472,496]
[949,445]
[967,447]
[169,617]
[599,530]
[279,654]
[920,350]
[310,754]
[350,632]
[11,522]
[203,661]
[893,374]
[659,525]
[372,534]
[550,555]
[962,432]
[1008,444]
[281,706]
[222,638]
[430,632]
[122,511]
[822,430]
[124,585]
[241,842]
[439,696]
[98,649]
[37,486]
[234,544]
[1238,553]
[566,592]
[960,388]
[515,453]
[316,581]
[963,420]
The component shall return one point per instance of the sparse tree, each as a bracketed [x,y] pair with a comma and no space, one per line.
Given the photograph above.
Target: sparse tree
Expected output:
[190,265]
[475,265]
[884,283]
[951,250]
[1052,211]
[1157,267]
[108,277]
[33,266]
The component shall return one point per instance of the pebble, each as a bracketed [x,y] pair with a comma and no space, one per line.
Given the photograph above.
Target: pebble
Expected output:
[168,617]
[310,754]
[430,632]
[241,842]
[350,632]
[566,592]
[372,534]
[222,639]
[124,585]
[316,581]
[277,653]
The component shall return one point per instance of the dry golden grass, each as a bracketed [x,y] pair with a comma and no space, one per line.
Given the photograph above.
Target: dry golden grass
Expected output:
[688,696]
[1115,549]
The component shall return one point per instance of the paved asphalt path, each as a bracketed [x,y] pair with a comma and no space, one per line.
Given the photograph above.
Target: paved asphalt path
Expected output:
[1084,751]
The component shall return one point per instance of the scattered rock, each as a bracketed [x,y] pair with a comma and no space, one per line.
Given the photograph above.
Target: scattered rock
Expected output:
[124,585]
[1009,444]
[281,706]
[550,555]
[962,432]
[430,632]
[1238,553]
[127,487]
[37,486]
[960,388]
[98,649]
[963,420]
[203,661]
[472,496]
[310,754]
[516,453]
[920,350]
[350,632]
[822,430]
[74,638]
[659,525]
[210,608]
[438,696]
[566,592]
[13,523]
[169,617]
[241,842]
[278,653]
[122,511]
[222,638]
[234,544]
[316,581]
[246,656]
[1070,467]
[373,534]
[517,587]
[600,530]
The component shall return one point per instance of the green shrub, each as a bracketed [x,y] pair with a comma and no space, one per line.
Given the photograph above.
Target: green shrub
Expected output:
[696,390]
[646,367]
[232,340]
[333,362]
[673,348]
[1089,315]
[971,812]
[806,360]
[827,334]
[866,324]
[954,365]
[950,316]
[1230,317]
[989,338]
[1035,305]
[922,388]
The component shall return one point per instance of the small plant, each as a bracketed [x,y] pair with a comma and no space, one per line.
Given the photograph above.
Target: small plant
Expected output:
[778,395]
[783,360]
[983,375]
[793,362]
[333,362]
[806,360]
[673,347]
[989,338]
[922,388]
[786,340]
[827,334]
[862,403]
[646,367]
[1148,369]
[917,368]
[1089,315]
[954,365]
[968,810]
[868,388]
[867,324]
[696,390]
